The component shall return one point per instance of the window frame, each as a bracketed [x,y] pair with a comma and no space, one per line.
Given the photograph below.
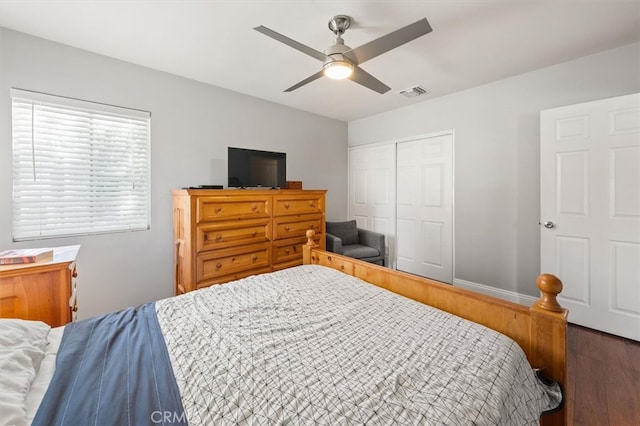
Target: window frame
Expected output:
[106,155]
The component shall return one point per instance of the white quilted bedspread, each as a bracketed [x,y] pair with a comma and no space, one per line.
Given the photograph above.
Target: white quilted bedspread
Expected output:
[311,346]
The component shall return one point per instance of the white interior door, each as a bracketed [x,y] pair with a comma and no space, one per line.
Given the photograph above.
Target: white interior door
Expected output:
[372,191]
[424,207]
[590,211]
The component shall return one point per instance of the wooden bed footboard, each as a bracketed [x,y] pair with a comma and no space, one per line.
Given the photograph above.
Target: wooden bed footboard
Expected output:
[540,329]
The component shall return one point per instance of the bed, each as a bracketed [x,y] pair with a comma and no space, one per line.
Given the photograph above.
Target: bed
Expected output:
[314,344]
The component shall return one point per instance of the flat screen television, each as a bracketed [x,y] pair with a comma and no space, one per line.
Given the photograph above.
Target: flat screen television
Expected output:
[250,168]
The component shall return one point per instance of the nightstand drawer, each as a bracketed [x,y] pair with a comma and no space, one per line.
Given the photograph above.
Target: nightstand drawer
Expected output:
[218,263]
[296,226]
[236,208]
[212,236]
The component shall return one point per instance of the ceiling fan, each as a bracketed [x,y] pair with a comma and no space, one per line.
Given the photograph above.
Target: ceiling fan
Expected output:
[340,61]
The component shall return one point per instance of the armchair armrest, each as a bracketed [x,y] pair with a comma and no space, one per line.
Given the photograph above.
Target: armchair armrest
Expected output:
[372,239]
[334,244]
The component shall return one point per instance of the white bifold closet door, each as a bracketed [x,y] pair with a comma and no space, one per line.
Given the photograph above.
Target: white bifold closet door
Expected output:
[424,207]
[372,191]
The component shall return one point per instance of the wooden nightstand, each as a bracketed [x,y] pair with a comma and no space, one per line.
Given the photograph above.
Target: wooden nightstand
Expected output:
[42,291]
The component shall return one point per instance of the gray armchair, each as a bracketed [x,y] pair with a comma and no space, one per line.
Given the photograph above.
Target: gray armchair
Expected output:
[347,239]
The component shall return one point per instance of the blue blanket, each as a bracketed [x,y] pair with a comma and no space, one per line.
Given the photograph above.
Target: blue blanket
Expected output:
[113,370]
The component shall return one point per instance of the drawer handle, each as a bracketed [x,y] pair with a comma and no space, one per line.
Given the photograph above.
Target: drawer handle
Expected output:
[219,265]
[254,258]
[218,210]
[218,237]
[254,208]
[286,205]
[286,228]
[312,226]
[206,237]
[312,204]
[254,233]
[287,251]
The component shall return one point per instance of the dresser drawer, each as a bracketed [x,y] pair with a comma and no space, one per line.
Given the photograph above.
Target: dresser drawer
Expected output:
[236,208]
[232,277]
[219,235]
[290,250]
[296,226]
[217,263]
[284,205]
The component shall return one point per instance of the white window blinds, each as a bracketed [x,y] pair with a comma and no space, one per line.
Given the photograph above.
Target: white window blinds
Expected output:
[78,167]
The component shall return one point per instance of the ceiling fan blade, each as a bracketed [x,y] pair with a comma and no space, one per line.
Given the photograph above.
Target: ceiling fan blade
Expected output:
[390,41]
[362,77]
[291,43]
[305,81]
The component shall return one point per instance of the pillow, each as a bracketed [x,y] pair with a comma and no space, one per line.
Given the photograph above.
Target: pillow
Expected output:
[346,231]
[22,348]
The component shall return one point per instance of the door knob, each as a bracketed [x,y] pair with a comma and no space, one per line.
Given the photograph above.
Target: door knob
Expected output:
[548,224]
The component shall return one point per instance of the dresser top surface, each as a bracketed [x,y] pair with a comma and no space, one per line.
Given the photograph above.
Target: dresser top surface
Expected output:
[237,191]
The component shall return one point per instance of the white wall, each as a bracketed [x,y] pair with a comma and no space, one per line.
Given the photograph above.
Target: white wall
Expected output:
[192,125]
[497,200]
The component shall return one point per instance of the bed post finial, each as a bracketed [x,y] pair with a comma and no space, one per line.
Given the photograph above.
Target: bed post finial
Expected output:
[310,234]
[306,248]
[550,286]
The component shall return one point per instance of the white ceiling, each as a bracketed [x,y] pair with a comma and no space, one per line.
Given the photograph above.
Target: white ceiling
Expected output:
[472,43]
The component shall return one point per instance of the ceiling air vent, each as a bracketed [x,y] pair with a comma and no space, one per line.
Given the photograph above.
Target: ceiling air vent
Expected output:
[412,92]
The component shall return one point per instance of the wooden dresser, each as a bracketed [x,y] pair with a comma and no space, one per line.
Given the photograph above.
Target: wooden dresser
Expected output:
[42,291]
[228,234]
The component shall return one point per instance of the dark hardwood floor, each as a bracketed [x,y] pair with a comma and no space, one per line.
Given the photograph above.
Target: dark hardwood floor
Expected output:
[603,378]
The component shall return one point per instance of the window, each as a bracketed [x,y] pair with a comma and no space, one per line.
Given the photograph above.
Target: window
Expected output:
[78,167]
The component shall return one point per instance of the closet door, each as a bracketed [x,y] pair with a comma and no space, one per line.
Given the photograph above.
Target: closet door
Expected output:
[424,225]
[372,191]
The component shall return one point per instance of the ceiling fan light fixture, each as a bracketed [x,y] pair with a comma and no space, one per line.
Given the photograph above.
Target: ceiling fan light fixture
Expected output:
[341,61]
[338,70]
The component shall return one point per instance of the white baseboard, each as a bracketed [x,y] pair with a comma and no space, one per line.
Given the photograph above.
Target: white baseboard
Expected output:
[511,296]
